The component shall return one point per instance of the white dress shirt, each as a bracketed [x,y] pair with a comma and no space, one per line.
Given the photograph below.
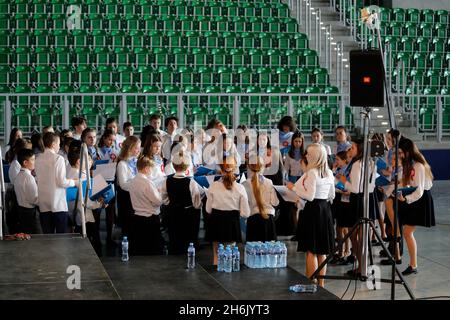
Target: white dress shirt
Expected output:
[14,170]
[292,166]
[420,181]
[356,185]
[52,182]
[269,196]
[169,169]
[221,198]
[311,186]
[124,175]
[145,198]
[119,141]
[167,141]
[194,189]
[26,189]
[111,156]
[76,136]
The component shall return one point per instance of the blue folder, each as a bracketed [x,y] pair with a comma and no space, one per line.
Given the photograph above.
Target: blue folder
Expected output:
[201,180]
[340,186]
[71,193]
[293,179]
[407,190]
[99,162]
[382,181]
[381,164]
[203,171]
[284,150]
[6,173]
[107,194]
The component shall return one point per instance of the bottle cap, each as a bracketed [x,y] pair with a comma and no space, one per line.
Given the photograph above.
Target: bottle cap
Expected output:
[125,238]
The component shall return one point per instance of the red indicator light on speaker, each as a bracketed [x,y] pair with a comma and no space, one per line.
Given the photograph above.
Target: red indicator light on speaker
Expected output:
[367,80]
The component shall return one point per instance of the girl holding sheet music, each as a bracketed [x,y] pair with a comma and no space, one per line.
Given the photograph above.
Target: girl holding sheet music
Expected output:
[107,147]
[315,231]
[226,202]
[126,171]
[415,206]
[89,136]
[262,200]
[355,185]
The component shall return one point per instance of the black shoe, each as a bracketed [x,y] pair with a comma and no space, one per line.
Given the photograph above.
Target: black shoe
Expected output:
[344,262]
[388,262]
[383,254]
[375,243]
[335,259]
[350,259]
[409,271]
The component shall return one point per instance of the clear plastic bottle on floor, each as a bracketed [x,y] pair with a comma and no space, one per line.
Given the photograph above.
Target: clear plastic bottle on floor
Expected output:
[227,263]
[191,256]
[308,288]
[220,252]
[236,259]
[125,256]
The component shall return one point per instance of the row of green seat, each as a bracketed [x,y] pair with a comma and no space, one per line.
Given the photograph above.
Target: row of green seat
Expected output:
[422,78]
[413,44]
[70,89]
[132,6]
[151,22]
[414,15]
[421,60]
[412,29]
[163,56]
[155,38]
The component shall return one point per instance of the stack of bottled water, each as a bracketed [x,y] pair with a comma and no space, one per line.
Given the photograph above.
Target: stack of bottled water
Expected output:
[228,259]
[265,255]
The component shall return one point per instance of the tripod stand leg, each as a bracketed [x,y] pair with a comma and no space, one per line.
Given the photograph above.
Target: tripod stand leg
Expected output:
[335,249]
[391,258]
[370,249]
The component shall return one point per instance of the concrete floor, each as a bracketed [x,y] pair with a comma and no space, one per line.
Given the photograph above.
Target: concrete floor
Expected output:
[433,253]
[433,278]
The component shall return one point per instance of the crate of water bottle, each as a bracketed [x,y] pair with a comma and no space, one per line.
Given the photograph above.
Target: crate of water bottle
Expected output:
[229,258]
[271,254]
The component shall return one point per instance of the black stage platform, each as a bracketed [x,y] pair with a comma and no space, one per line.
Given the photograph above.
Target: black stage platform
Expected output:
[36,269]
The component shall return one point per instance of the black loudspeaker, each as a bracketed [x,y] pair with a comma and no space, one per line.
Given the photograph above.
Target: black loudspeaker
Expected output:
[366,78]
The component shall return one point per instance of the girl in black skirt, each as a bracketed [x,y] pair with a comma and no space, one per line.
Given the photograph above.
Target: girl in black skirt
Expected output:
[262,199]
[315,232]
[417,208]
[355,184]
[126,171]
[182,196]
[227,202]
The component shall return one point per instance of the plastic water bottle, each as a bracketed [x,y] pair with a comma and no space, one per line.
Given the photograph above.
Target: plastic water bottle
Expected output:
[283,256]
[191,256]
[257,260]
[236,259]
[264,256]
[272,258]
[227,267]
[308,288]
[220,253]
[125,256]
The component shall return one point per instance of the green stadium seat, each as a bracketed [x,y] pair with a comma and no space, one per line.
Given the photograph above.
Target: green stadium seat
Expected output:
[5,38]
[84,76]
[433,79]
[413,15]
[423,44]
[5,73]
[218,56]
[447,78]
[87,89]
[385,14]
[442,17]
[436,60]
[256,57]
[180,57]
[63,55]
[42,56]
[253,101]
[417,75]
[440,30]
[186,76]
[59,20]
[161,56]
[321,77]
[40,21]
[41,38]
[60,38]
[64,75]
[199,56]
[438,45]
[237,57]
[246,40]
[22,38]
[225,76]
[206,76]
[412,29]
[420,60]
[428,16]
[65,89]
[165,75]
[83,56]
[256,24]
[126,74]
[282,77]
[426,29]
[23,76]
[395,29]
[21,6]
[193,39]
[43,75]
[311,58]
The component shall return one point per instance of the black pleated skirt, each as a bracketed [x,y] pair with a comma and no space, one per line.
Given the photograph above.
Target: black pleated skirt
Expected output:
[357,208]
[315,231]
[145,235]
[224,226]
[418,213]
[125,211]
[342,212]
[260,229]
[183,228]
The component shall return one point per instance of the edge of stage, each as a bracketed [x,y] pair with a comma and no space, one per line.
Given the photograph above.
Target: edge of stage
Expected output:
[37,270]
